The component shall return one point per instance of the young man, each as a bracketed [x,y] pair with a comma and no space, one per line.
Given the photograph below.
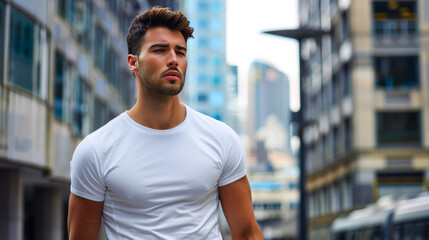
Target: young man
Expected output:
[159,170]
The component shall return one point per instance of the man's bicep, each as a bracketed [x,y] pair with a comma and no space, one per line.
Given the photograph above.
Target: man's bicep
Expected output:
[84,218]
[237,207]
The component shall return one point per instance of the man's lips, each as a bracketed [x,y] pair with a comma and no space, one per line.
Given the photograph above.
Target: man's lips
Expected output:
[172,75]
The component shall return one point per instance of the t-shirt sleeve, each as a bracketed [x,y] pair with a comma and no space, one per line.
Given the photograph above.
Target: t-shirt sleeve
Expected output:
[234,162]
[86,173]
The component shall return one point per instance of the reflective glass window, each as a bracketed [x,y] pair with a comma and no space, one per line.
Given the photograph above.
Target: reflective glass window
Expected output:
[216,7]
[203,6]
[82,21]
[60,75]
[398,18]
[203,24]
[100,48]
[29,55]
[216,44]
[396,72]
[202,97]
[202,78]
[217,80]
[202,60]
[80,108]
[398,128]
[216,98]
[203,42]
[22,50]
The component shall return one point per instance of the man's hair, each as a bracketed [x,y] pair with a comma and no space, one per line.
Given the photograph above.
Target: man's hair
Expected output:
[156,17]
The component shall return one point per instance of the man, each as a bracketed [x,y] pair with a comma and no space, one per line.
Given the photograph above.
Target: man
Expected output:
[159,170]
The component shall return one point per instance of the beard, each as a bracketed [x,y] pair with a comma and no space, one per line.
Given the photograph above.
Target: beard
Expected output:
[158,85]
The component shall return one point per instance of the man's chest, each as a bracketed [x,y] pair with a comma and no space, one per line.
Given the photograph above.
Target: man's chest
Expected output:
[156,175]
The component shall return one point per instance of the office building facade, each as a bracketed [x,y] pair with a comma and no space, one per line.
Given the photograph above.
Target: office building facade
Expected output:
[365,108]
[206,76]
[64,74]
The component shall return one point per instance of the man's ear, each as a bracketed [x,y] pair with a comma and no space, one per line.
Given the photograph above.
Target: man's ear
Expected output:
[132,63]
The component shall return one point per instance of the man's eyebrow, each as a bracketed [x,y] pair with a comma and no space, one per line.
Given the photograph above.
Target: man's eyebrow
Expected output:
[163,45]
[181,48]
[159,45]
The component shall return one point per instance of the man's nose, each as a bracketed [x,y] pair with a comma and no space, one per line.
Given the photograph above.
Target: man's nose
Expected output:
[172,61]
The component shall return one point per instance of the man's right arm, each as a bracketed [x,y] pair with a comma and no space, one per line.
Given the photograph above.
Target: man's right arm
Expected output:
[84,218]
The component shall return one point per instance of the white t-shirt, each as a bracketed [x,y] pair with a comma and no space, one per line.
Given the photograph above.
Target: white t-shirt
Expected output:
[158,184]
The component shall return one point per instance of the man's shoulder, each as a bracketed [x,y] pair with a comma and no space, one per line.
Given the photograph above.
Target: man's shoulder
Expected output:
[211,124]
[205,119]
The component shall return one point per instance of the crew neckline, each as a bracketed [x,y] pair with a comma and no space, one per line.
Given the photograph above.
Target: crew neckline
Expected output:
[153,131]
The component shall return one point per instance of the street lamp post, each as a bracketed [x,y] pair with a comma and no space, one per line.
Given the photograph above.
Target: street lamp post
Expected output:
[301,34]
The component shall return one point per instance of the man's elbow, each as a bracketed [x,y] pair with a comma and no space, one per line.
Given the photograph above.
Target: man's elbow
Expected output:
[250,233]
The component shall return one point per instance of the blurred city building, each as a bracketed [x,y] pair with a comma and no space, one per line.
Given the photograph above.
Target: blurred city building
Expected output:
[207,74]
[268,105]
[64,74]
[365,104]
[272,169]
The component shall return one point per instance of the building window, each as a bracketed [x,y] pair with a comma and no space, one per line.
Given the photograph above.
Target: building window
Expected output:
[347,135]
[325,97]
[203,24]
[61,73]
[203,42]
[29,55]
[399,183]
[100,48]
[217,80]
[344,26]
[216,44]
[334,141]
[62,6]
[345,80]
[202,97]
[112,70]
[398,128]
[82,21]
[202,60]
[217,98]
[394,18]
[202,78]
[396,72]
[80,119]
[203,6]
[334,95]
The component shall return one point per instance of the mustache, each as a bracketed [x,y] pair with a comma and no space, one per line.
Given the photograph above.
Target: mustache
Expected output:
[172,69]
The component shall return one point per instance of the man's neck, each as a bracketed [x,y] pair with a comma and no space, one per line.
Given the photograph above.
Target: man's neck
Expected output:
[159,114]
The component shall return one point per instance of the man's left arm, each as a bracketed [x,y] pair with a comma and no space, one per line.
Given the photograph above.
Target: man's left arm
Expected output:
[237,207]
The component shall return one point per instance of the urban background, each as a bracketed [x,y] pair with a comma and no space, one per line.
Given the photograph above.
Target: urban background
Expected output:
[363,122]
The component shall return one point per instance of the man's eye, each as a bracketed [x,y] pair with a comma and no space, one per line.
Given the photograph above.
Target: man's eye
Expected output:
[180,53]
[158,50]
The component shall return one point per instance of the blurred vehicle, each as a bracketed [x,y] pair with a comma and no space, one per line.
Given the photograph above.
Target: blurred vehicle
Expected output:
[399,217]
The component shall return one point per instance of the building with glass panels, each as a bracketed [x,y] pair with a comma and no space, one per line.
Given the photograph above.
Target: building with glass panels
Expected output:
[365,104]
[64,74]
[268,104]
[207,72]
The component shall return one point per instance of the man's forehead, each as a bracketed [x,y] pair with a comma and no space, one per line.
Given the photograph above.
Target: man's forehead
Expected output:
[163,35]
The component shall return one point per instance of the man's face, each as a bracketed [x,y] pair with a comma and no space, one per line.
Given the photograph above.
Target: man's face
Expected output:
[162,61]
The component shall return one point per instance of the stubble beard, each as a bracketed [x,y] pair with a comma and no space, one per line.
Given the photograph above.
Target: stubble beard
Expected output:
[155,83]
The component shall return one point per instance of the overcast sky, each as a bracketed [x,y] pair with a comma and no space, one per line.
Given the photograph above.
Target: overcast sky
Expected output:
[246,20]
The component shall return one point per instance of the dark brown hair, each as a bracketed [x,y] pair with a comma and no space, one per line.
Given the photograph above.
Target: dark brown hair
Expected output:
[156,17]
